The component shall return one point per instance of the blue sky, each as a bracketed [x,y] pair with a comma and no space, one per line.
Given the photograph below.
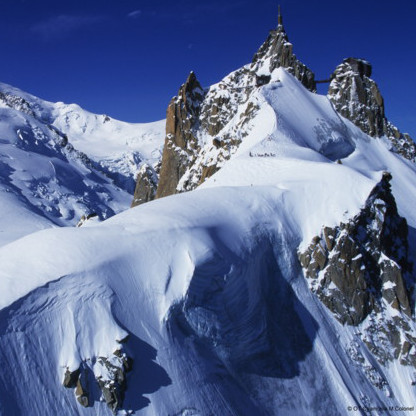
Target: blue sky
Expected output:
[127,58]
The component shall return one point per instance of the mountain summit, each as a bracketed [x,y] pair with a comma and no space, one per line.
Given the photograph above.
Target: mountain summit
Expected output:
[277,52]
[205,127]
[214,121]
[357,97]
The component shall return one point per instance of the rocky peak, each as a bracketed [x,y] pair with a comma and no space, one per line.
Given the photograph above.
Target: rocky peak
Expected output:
[183,111]
[182,120]
[191,88]
[204,128]
[277,52]
[361,271]
[357,97]
[359,66]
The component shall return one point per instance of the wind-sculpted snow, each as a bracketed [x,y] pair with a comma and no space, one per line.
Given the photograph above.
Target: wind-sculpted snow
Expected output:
[240,306]
[307,119]
[207,286]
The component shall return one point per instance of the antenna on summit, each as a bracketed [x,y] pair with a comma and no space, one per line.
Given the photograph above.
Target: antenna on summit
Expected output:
[279,17]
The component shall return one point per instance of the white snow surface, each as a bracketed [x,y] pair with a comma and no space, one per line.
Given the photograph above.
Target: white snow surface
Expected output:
[207,283]
[97,135]
[59,162]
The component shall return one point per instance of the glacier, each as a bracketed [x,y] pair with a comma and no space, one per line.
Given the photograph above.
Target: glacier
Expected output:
[59,162]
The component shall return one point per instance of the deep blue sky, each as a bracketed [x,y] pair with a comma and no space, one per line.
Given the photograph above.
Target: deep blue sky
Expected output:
[127,58]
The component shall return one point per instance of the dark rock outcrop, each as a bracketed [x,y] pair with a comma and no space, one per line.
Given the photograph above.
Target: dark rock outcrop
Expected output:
[114,384]
[357,97]
[71,378]
[182,120]
[361,268]
[82,388]
[86,218]
[278,52]
[108,372]
[17,103]
[146,185]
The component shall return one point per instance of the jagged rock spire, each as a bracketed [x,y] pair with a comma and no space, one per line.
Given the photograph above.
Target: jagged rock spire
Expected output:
[181,120]
[357,97]
[277,52]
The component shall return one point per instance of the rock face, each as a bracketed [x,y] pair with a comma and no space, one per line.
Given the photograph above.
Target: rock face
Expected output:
[182,121]
[357,97]
[17,103]
[109,373]
[146,185]
[360,271]
[82,387]
[277,52]
[112,380]
[205,127]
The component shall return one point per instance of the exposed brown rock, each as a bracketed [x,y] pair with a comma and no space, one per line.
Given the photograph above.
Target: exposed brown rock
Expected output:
[113,387]
[81,391]
[85,218]
[112,381]
[146,185]
[394,289]
[279,50]
[71,378]
[357,97]
[208,171]
[359,267]
[362,261]
[196,113]
[180,143]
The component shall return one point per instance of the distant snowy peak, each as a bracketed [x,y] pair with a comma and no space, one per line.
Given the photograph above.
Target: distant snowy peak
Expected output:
[357,97]
[59,162]
[45,174]
[117,147]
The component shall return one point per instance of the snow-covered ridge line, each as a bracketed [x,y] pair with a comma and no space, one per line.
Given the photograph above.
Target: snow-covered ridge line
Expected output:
[96,135]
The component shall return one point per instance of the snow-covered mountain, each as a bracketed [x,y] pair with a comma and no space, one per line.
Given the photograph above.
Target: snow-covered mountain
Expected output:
[281,284]
[59,162]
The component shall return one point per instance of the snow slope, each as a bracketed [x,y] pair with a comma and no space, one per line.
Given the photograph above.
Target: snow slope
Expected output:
[208,285]
[116,146]
[59,162]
